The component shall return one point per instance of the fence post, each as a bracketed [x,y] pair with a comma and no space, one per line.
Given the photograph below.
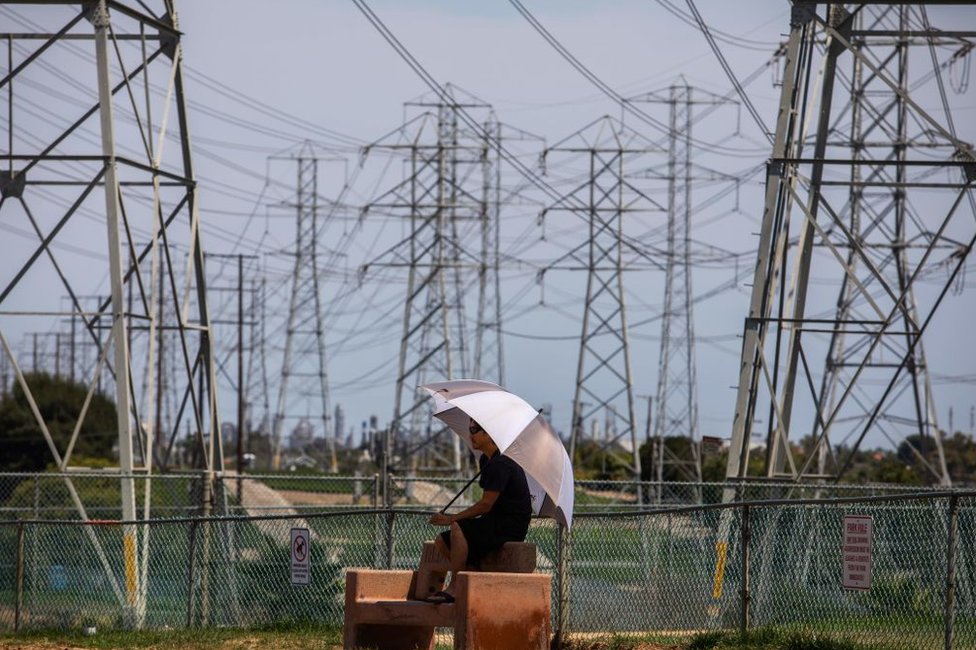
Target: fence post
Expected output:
[390,515]
[376,490]
[563,550]
[189,575]
[379,543]
[33,549]
[19,579]
[744,537]
[951,555]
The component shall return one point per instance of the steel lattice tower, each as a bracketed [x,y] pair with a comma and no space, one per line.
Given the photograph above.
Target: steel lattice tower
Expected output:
[881,217]
[677,398]
[304,354]
[449,195]
[137,183]
[489,353]
[868,189]
[608,158]
[677,393]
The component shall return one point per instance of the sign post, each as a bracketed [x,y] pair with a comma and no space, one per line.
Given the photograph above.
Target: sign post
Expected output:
[858,535]
[301,564]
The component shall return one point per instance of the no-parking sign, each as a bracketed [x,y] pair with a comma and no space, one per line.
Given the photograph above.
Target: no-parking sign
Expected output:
[857,551]
[301,551]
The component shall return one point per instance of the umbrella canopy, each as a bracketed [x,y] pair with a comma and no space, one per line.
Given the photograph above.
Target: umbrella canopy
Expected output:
[519,432]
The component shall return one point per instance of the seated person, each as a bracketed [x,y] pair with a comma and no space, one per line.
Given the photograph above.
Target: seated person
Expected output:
[502,515]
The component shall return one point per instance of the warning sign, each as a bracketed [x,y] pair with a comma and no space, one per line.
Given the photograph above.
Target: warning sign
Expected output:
[856,554]
[301,572]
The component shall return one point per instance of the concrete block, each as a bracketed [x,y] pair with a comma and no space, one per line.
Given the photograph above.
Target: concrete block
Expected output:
[502,610]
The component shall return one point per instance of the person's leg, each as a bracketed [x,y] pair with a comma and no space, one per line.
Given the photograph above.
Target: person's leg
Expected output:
[458,554]
[442,547]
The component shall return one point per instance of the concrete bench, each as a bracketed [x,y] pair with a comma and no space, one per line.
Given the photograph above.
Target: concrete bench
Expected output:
[494,609]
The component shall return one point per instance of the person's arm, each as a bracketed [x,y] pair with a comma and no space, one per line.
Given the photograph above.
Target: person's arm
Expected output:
[483,505]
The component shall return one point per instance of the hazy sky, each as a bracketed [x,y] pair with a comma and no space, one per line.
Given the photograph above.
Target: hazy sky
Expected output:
[263,78]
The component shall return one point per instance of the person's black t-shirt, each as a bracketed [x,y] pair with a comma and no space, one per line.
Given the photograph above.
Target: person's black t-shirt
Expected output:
[513,508]
[509,517]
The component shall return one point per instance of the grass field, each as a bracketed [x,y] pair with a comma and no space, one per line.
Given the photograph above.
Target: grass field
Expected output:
[330,638]
[324,638]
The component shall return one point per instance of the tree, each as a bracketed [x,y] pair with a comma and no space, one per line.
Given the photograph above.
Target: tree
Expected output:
[713,463]
[597,462]
[59,400]
[960,451]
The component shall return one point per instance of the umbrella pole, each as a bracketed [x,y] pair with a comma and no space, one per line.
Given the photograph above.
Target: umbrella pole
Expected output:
[466,486]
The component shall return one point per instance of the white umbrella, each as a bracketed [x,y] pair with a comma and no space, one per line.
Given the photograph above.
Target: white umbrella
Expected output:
[519,432]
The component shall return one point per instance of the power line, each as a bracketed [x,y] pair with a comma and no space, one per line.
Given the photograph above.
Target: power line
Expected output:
[625,104]
[728,71]
[725,37]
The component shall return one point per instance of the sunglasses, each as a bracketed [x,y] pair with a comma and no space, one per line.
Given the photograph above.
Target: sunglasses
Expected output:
[474,428]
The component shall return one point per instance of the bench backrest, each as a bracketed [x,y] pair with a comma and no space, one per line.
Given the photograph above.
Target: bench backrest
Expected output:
[512,557]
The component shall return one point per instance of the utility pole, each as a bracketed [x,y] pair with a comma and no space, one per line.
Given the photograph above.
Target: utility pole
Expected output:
[240,370]
[239,324]
[5,377]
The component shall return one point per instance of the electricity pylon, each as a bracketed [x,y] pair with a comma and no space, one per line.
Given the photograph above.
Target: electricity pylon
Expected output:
[116,153]
[304,355]
[449,196]
[677,390]
[489,353]
[883,207]
[606,157]
[882,203]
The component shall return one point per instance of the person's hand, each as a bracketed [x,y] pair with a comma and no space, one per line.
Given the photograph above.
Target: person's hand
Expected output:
[441,519]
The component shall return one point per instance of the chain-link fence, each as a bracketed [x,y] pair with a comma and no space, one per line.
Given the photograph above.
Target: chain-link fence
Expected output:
[747,564]
[783,567]
[58,495]
[67,495]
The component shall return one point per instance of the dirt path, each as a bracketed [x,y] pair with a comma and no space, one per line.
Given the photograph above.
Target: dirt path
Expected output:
[259,500]
[434,495]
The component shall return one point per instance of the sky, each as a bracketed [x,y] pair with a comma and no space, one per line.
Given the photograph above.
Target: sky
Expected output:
[262,80]
[326,64]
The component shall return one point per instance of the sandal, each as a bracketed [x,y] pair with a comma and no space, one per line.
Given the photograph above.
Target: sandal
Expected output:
[440,598]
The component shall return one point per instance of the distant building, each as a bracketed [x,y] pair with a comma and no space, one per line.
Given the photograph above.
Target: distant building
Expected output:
[302,435]
[228,433]
[340,423]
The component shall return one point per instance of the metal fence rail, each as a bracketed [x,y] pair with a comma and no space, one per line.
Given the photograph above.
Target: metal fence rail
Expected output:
[47,495]
[636,570]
